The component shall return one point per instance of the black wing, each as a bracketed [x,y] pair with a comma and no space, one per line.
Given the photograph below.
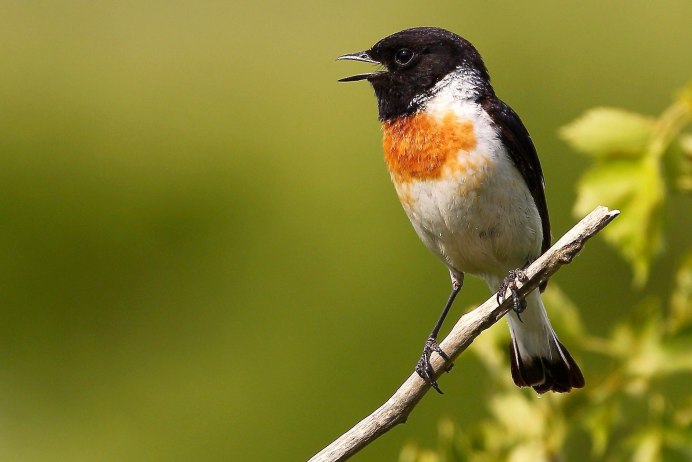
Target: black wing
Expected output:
[523,153]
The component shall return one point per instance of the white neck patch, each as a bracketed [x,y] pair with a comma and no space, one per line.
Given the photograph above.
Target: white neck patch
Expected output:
[462,84]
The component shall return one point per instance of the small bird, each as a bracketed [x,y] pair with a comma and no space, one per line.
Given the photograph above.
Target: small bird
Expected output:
[468,177]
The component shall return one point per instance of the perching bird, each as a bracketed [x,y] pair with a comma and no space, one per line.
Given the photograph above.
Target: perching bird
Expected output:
[468,176]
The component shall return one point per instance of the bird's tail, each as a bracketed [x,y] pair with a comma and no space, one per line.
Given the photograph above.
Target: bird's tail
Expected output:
[537,357]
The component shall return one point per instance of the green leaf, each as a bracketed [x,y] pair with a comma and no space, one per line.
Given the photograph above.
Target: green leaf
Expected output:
[636,188]
[609,132]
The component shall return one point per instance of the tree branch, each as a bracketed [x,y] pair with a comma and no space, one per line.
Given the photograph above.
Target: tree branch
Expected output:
[397,409]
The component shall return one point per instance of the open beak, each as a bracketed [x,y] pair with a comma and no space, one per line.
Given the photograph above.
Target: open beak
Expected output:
[360,56]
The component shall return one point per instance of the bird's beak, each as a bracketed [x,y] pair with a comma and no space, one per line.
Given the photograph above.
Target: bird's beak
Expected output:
[360,56]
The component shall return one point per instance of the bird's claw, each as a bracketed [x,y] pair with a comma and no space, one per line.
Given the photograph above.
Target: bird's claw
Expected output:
[424,369]
[510,282]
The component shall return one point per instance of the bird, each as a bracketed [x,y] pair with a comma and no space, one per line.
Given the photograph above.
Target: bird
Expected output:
[468,176]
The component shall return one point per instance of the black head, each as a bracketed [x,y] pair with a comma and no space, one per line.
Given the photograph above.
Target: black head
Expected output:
[415,60]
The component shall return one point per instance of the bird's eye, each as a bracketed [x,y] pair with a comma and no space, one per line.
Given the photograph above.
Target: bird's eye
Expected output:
[403,56]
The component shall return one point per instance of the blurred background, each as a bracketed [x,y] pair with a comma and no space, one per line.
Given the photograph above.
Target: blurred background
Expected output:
[201,253]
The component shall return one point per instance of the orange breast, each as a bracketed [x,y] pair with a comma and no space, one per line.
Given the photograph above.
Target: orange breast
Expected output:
[419,146]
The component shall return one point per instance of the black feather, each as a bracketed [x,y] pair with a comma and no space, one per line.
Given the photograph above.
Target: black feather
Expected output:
[521,150]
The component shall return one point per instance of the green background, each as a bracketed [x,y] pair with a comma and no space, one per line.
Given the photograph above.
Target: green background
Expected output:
[201,254]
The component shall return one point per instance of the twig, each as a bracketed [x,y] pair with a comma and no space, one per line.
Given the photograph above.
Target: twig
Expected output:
[397,409]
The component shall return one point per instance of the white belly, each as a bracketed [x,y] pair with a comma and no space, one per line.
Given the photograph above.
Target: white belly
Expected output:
[482,221]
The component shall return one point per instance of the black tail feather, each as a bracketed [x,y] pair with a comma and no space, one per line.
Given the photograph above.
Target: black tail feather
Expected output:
[559,374]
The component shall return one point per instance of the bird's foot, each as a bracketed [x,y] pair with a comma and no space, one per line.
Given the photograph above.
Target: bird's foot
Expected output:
[424,368]
[510,282]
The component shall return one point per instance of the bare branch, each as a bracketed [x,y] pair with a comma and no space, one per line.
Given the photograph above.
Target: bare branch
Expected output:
[397,409]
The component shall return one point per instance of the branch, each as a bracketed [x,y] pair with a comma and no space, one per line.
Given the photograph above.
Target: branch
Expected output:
[397,409]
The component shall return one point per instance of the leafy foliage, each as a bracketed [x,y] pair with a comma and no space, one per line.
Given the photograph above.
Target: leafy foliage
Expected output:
[628,174]
[610,132]
[626,412]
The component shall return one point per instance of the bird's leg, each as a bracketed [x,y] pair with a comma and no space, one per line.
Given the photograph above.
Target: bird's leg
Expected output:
[424,368]
[510,282]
